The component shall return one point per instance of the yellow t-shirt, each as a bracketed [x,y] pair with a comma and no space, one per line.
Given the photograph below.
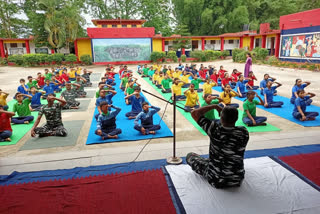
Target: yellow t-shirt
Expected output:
[60,72]
[159,80]
[185,78]
[176,74]
[207,88]
[3,99]
[226,98]
[169,72]
[177,88]
[155,77]
[192,98]
[79,71]
[72,74]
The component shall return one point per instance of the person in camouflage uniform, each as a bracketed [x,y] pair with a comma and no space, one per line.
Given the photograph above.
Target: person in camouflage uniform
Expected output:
[86,75]
[69,95]
[80,90]
[54,125]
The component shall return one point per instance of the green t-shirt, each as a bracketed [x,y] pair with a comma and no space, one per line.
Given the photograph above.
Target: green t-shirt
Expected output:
[98,94]
[166,83]
[145,71]
[130,90]
[210,114]
[164,70]
[151,72]
[23,108]
[124,81]
[196,83]
[33,83]
[48,76]
[251,106]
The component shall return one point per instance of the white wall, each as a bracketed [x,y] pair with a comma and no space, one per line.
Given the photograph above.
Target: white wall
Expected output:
[227,46]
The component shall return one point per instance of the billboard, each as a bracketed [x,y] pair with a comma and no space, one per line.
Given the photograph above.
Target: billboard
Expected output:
[300,46]
[112,50]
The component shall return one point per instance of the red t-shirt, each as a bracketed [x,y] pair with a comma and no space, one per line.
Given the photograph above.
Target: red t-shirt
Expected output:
[221,73]
[65,77]
[234,77]
[40,81]
[225,81]
[202,74]
[251,80]
[214,77]
[5,122]
[120,71]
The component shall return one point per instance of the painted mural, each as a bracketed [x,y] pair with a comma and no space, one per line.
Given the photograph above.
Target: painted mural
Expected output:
[297,46]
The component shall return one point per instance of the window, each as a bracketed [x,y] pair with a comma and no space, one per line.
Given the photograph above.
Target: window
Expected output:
[13,45]
[166,42]
[257,43]
[23,45]
[114,26]
[42,50]
[230,41]
[175,42]
[104,25]
[213,42]
[124,25]
[195,44]
[133,25]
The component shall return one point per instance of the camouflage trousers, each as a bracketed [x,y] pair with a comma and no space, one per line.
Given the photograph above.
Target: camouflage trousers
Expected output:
[48,130]
[71,104]
[81,93]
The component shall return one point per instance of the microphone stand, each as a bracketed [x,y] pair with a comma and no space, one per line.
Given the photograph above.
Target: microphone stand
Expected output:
[171,160]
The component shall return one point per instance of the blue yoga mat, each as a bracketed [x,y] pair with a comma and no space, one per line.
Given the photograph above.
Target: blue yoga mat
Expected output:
[126,125]
[285,111]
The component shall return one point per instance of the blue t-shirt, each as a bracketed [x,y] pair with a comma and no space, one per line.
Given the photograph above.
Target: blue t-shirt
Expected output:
[49,89]
[263,83]
[302,103]
[269,93]
[21,89]
[242,86]
[107,98]
[136,103]
[296,88]
[35,100]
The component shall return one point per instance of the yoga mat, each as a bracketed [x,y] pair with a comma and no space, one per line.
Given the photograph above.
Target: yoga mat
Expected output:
[84,104]
[126,125]
[267,188]
[135,193]
[286,110]
[90,94]
[187,115]
[73,128]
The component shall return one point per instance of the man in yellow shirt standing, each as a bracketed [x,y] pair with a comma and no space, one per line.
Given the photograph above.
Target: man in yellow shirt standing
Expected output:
[207,87]
[192,99]
[226,96]
[176,89]
[3,99]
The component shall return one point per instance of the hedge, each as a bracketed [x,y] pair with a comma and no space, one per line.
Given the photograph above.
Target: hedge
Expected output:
[86,59]
[38,59]
[157,56]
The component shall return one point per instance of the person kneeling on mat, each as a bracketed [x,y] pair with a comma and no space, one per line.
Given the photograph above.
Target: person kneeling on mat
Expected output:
[52,113]
[106,124]
[70,97]
[224,168]
[300,106]
[146,116]
[136,103]
[192,99]
[249,110]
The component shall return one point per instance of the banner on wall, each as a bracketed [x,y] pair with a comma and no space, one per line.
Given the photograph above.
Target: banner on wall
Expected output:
[113,50]
[300,46]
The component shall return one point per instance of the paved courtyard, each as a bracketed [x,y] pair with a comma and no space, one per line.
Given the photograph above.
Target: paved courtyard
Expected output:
[188,137]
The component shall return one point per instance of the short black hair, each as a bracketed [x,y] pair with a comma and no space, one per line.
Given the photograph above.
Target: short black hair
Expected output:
[229,115]
[206,96]
[22,80]
[103,104]
[29,77]
[176,79]
[32,87]
[100,83]
[144,103]
[300,91]
[1,106]
[137,89]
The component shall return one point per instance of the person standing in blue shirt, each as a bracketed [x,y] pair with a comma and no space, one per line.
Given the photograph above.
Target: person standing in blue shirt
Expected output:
[300,107]
[241,86]
[35,100]
[146,116]
[263,83]
[106,124]
[136,103]
[104,97]
[299,85]
[268,95]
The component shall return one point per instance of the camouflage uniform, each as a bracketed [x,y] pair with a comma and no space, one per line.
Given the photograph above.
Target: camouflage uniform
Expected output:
[87,77]
[80,92]
[70,97]
[54,125]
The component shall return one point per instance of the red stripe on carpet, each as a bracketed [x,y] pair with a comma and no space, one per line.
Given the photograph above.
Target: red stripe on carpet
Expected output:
[306,164]
[137,192]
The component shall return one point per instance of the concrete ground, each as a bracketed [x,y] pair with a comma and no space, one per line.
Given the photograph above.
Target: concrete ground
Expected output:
[188,137]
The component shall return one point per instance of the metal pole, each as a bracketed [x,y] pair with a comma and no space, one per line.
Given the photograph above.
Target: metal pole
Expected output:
[174,125]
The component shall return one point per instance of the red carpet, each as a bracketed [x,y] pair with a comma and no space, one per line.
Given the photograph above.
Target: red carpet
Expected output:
[306,164]
[138,192]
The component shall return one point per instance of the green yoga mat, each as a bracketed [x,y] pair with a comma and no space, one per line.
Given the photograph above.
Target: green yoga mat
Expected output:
[187,115]
[73,128]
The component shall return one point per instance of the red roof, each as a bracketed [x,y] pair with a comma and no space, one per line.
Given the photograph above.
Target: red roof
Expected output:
[15,39]
[118,21]
[144,32]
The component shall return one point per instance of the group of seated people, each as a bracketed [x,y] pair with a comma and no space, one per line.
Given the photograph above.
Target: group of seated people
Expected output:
[141,111]
[234,85]
[46,86]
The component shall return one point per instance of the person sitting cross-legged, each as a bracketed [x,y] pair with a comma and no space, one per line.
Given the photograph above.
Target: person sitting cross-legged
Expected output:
[225,167]
[192,99]
[136,103]
[300,106]
[165,84]
[249,110]
[146,116]
[23,109]
[106,124]
[5,126]
[52,113]
[70,97]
